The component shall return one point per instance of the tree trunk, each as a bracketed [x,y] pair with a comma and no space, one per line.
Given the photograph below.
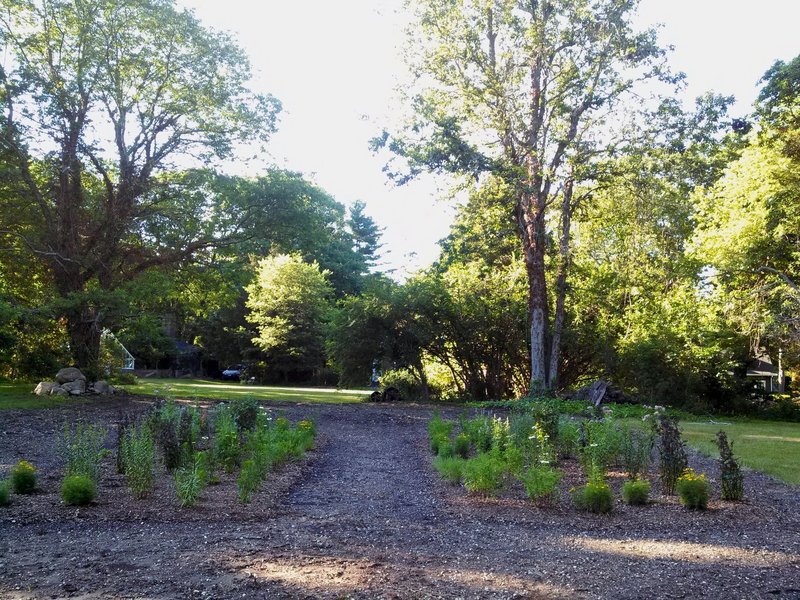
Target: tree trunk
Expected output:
[84,340]
[561,283]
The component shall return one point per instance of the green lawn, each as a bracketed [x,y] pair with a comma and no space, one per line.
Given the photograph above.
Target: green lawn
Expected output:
[772,447]
[217,390]
[20,396]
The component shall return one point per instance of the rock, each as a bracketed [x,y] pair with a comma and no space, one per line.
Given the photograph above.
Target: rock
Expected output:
[376,397]
[391,394]
[58,391]
[76,388]
[69,375]
[101,387]
[601,392]
[44,388]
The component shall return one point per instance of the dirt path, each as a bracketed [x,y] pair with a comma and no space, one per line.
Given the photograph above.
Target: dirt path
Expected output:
[369,518]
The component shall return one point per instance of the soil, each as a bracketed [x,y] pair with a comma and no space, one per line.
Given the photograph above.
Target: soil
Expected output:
[366,516]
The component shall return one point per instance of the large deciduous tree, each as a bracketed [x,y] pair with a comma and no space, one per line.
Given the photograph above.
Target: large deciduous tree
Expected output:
[100,98]
[527,91]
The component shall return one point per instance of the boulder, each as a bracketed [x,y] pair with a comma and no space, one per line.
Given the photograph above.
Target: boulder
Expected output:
[58,391]
[44,388]
[391,394]
[69,375]
[602,392]
[76,388]
[101,387]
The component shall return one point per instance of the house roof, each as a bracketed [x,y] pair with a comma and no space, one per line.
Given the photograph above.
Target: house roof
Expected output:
[761,367]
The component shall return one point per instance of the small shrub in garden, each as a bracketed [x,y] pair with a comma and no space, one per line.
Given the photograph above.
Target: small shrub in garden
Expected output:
[190,481]
[78,490]
[672,454]
[23,477]
[138,459]
[731,478]
[514,460]
[439,431]
[484,474]
[603,445]
[245,412]
[461,445]
[637,446]
[541,483]
[82,448]
[451,469]
[568,438]
[595,496]
[500,435]
[445,448]
[636,491]
[248,481]
[479,431]
[227,451]
[5,492]
[693,489]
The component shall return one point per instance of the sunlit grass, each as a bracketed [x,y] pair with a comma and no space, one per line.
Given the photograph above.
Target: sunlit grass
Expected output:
[216,390]
[769,446]
[20,396]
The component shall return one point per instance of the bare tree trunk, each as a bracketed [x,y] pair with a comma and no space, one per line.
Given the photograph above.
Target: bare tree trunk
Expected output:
[561,283]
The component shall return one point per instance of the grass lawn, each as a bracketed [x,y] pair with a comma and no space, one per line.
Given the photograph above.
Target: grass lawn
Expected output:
[20,396]
[217,390]
[771,447]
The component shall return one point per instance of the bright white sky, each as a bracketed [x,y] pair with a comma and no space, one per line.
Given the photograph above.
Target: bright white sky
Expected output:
[335,66]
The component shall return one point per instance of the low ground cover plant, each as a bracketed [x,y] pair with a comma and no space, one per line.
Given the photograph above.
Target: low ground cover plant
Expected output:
[23,477]
[596,496]
[78,490]
[693,489]
[636,491]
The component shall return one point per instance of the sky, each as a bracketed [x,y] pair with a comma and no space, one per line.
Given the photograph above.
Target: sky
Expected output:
[336,66]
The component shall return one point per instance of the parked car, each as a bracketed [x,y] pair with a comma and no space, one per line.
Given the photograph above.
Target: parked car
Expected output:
[233,373]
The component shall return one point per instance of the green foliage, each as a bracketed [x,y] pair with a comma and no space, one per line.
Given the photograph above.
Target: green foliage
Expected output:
[568,438]
[604,440]
[23,477]
[248,481]
[245,411]
[190,481]
[450,468]
[138,456]
[81,446]
[731,477]
[596,496]
[78,490]
[693,489]
[672,451]
[484,474]
[541,483]
[636,450]
[636,491]
[461,446]
[407,383]
[5,492]
[500,435]
[479,431]
[227,450]
[439,432]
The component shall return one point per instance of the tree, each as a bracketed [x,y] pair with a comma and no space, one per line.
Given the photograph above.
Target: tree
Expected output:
[289,304]
[366,233]
[524,90]
[100,98]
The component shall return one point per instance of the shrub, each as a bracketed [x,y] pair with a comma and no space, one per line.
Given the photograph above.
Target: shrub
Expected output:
[500,435]
[439,431]
[636,491]
[444,448]
[732,480]
[568,438]
[406,383]
[603,445]
[138,459]
[541,483]
[672,454]
[637,446]
[190,481]
[78,490]
[595,496]
[245,412]
[165,423]
[479,431]
[693,489]
[484,474]
[23,477]
[461,446]
[82,448]
[227,451]
[514,460]
[451,468]
[248,481]
[5,493]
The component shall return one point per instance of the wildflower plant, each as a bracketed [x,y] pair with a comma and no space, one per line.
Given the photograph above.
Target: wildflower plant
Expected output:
[82,447]
[693,489]
[23,477]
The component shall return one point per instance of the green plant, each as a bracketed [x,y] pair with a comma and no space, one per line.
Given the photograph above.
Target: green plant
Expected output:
[138,459]
[451,468]
[23,477]
[82,448]
[461,445]
[603,443]
[248,481]
[541,483]
[227,450]
[568,437]
[595,496]
[5,492]
[439,432]
[514,460]
[245,412]
[672,452]
[444,448]
[190,481]
[479,431]
[636,491]
[637,447]
[78,490]
[693,489]
[732,480]
[500,435]
[484,474]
